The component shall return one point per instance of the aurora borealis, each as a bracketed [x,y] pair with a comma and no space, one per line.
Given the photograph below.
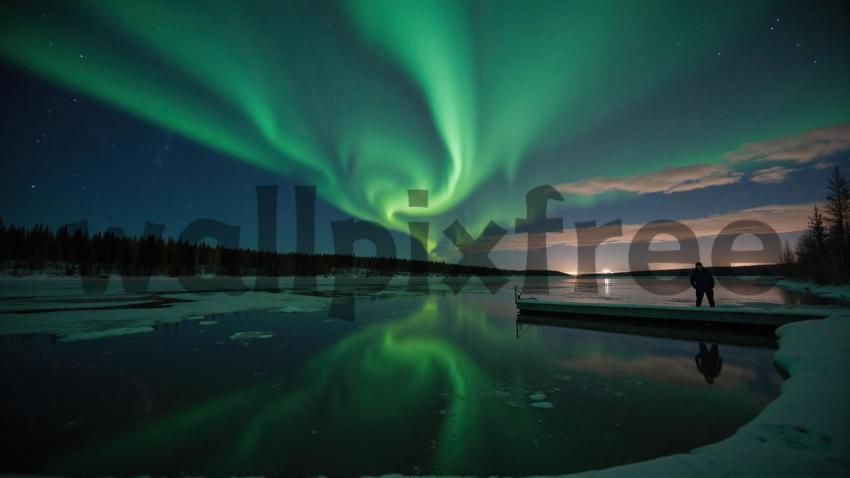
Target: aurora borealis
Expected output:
[477,102]
[188,354]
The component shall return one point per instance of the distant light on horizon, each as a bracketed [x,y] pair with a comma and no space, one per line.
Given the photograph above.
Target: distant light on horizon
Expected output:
[606,271]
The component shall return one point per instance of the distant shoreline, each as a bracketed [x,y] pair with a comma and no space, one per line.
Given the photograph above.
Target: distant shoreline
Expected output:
[9,273]
[773,270]
[68,252]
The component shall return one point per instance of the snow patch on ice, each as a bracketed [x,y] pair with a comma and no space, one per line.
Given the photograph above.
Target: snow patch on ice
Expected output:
[105,333]
[294,309]
[252,334]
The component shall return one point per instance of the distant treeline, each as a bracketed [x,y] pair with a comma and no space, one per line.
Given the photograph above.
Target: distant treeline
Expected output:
[823,251]
[39,249]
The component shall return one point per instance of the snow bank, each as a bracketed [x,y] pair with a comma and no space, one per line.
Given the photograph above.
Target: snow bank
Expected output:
[804,432]
[839,292]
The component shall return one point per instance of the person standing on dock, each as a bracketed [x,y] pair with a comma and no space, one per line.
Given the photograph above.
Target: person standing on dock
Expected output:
[703,281]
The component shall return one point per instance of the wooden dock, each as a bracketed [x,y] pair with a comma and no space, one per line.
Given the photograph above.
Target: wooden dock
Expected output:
[750,316]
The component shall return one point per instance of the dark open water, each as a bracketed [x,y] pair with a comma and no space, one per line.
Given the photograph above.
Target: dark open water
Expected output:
[437,384]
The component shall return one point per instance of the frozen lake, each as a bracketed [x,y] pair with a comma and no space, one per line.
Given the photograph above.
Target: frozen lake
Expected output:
[431,384]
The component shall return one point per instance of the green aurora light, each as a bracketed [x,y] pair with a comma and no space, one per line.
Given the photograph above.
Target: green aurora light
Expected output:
[478,102]
[363,389]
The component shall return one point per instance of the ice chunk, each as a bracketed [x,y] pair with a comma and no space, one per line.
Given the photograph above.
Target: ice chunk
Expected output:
[100,334]
[294,309]
[251,334]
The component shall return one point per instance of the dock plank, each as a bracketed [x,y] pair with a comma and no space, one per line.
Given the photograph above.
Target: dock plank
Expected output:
[775,316]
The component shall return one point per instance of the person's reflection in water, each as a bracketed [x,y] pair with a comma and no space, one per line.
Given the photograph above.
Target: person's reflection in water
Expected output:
[709,362]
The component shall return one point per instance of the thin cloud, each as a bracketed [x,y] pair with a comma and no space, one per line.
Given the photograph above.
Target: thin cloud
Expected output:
[774,175]
[804,148]
[707,182]
[800,148]
[669,180]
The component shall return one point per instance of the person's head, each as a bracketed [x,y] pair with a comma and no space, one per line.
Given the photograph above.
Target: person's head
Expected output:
[698,265]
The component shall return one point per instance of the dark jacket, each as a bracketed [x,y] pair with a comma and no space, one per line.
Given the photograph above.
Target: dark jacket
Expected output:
[701,279]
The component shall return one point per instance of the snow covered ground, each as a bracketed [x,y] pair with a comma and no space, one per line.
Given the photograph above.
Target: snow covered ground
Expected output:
[804,432]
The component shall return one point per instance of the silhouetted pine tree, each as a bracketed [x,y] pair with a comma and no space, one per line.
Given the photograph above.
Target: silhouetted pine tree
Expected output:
[823,251]
[838,220]
[812,257]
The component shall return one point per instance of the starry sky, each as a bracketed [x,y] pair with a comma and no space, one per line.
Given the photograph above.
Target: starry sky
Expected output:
[126,112]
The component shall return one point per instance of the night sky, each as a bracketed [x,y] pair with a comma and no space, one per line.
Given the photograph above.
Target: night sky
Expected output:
[125,112]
